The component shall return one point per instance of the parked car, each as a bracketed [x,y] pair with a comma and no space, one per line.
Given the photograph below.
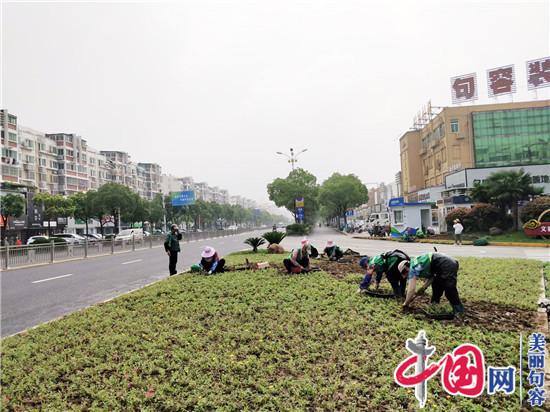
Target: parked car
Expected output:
[70,238]
[128,234]
[91,237]
[37,239]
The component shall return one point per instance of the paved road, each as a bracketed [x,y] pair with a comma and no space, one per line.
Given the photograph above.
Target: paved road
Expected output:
[31,296]
[370,247]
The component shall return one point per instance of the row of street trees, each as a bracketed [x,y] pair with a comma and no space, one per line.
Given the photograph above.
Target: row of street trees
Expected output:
[211,215]
[331,199]
[111,199]
[118,202]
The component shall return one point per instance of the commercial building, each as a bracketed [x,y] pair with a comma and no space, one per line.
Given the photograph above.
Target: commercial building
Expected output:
[456,138]
[443,157]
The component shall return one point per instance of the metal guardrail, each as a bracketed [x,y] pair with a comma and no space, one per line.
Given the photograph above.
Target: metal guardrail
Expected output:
[24,255]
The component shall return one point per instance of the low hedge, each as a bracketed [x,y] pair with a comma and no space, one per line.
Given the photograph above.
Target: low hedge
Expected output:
[298,229]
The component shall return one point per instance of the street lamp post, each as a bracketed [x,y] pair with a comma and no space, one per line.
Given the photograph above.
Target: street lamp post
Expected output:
[293,158]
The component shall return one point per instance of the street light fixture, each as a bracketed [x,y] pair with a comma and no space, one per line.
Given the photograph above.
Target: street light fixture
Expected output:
[293,158]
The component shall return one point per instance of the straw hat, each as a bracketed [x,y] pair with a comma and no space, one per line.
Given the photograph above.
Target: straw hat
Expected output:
[208,252]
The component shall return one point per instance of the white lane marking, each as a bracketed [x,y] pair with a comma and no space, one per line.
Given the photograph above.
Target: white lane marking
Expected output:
[55,277]
[131,261]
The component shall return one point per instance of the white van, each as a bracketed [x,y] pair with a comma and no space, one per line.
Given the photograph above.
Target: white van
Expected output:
[128,234]
[378,219]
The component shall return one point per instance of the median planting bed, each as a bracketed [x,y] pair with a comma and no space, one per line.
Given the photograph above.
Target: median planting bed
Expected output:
[261,340]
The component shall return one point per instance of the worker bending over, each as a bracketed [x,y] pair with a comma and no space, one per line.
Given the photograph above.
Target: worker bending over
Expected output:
[438,270]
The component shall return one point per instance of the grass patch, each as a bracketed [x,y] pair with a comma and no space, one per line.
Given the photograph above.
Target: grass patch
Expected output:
[254,340]
[516,237]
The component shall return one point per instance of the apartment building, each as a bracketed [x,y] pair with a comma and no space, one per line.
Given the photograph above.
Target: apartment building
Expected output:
[39,160]
[152,182]
[11,167]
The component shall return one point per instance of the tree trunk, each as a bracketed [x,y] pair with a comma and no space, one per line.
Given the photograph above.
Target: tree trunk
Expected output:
[515,211]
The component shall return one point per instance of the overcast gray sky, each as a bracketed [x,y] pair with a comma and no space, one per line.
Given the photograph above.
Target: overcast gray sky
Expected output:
[214,89]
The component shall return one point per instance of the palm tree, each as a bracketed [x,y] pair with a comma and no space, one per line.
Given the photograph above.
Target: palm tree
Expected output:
[505,190]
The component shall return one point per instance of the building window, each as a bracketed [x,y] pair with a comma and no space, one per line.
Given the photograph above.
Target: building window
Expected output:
[512,137]
[42,162]
[12,137]
[454,126]
[398,216]
[60,152]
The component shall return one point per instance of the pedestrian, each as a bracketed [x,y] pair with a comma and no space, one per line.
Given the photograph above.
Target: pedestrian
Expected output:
[18,241]
[210,261]
[438,270]
[332,251]
[172,248]
[298,260]
[458,231]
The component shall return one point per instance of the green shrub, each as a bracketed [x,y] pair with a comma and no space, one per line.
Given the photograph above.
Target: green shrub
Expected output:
[482,241]
[534,208]
[274,237]
[460,213]
[298,229]
[255,242]
[484,216]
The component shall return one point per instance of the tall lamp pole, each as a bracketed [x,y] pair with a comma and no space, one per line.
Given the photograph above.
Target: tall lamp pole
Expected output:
[293,158]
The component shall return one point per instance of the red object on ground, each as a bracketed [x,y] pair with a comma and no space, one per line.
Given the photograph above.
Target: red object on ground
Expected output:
[542,230]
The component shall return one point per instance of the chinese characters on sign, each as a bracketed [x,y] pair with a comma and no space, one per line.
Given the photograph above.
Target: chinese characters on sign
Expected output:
[535,361]
[462,371]
[464,88]
[538,73]
[183,198]
[501,80]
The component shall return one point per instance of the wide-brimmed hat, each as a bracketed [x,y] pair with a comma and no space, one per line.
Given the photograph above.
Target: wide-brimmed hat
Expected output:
[304,242]
[457,221]
[330,243]
[402,265]
[208,252]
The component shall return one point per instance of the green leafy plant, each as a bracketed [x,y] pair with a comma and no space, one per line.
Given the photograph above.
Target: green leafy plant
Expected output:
[274,237]
[482,241]
[257,340]
[255,242]
[298,229]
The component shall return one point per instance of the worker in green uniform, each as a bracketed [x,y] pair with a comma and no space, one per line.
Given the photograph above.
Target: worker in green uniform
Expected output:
[385,263]
[438,270]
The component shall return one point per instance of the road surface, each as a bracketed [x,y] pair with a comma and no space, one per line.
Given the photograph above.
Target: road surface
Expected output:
[35,295]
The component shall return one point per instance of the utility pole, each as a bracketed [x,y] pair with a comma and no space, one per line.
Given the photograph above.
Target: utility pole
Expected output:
[293,158]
